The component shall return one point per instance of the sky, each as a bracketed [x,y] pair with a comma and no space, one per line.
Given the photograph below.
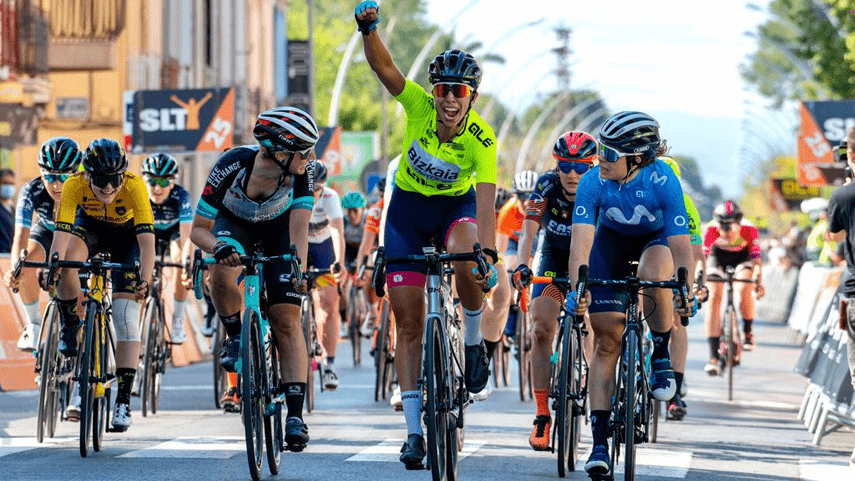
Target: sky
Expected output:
[676,60]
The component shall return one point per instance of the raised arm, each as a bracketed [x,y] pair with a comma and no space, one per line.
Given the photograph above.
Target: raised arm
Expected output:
[367,17]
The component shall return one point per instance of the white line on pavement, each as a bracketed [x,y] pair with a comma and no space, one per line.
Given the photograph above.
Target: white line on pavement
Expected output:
[388,451]
[812,470]
[218,447]
[16,445]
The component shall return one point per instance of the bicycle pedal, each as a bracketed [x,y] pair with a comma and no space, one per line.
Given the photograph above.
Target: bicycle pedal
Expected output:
[296,447]
[111,429]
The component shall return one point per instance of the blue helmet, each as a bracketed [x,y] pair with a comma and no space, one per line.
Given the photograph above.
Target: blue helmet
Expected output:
[455,66]
[60,154]
[160,165]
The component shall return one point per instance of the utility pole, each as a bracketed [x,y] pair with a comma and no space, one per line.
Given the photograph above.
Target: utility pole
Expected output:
[562,54]
[311,7]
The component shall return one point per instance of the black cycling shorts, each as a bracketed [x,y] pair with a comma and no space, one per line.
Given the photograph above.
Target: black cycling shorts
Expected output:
[43,236]
[720,258]
[275,240]
[120,242]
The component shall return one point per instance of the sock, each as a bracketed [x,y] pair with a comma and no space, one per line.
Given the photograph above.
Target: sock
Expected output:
[412,402]
[660,344]
[232,324]
[32,312]
[231,380]
[68,312]
[715,345]
[746,325]
[125,377]
[295,395]
[678,378]
[473,326]
[491,348]
[600,427]
[541,399]
[330,363]
[178,310]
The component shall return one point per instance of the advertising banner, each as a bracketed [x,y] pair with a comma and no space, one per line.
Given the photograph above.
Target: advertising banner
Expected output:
[787,195]
[357,150]
[193,120]
[18,125]
[823,125]
[328,149]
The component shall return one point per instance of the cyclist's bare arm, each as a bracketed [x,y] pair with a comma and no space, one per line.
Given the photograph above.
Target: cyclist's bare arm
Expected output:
[529,234]
[200,233]
[364,250]
[485,214]
[580,251]
[838,236]
[380,59]
[146,242]
[337,230]
[682,253]
[299,232]
[19,242]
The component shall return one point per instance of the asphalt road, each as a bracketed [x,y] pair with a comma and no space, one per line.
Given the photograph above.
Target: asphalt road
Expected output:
[756,437]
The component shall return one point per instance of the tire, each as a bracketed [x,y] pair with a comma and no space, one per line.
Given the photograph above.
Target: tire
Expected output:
[730,355]
[630,404]
[382,357]
[49,363]
[85,364]
[564,408]
[435,375]
[220,380]
[505,354]
[523,344]
[273,424]
[308,312]
[150,355]
[354,318]
[579,404]
[252,409]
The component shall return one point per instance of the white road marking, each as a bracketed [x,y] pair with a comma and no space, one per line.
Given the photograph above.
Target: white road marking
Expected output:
[388,451]
[206,447]
[656,463]
[813,470]
[16,445]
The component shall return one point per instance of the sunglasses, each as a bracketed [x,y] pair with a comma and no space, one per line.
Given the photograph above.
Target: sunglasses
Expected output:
[51,178]
[102,181]
[726,226]
[611,155]
[458,90]
[578,167]
[159,181]
[305,153]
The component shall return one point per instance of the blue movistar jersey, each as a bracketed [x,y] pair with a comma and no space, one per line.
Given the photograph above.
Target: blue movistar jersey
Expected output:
[651,202]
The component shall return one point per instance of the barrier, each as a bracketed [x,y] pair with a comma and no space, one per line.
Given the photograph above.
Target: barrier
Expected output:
[17,367]
[812,280]
[780,293]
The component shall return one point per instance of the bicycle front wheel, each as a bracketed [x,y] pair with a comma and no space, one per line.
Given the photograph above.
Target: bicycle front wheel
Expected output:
[308,333]
[219,373]
[150,321]
[383,357]
[630,404]
[730,348]
[436,376]
[252,408]
[523,346]
[564,408]
[49,362]
[86,363]
[273,423]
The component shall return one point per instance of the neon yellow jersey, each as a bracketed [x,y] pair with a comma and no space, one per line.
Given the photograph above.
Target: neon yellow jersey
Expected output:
[432,168]
[694,221]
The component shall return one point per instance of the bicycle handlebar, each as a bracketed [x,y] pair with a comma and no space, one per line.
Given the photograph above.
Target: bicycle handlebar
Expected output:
[200,262]
[378,279]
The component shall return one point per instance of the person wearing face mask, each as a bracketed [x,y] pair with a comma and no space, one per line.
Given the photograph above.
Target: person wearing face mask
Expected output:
[7,209]
[58,159]
[729,241]
[263,194]
[550,207]
[106,209]
[445,188]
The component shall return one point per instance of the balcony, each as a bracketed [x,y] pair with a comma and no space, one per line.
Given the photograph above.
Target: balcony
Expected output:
[84,40]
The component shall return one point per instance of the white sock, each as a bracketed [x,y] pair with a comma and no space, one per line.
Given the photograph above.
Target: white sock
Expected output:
[473,326]
[33,313]
[178,310]
[412,403]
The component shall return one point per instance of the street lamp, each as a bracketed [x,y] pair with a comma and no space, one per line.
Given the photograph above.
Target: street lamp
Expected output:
[535,127]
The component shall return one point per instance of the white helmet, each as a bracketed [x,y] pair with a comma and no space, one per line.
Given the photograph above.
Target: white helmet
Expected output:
[525,181]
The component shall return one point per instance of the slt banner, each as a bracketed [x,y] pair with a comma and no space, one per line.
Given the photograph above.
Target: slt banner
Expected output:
[787,194]
[823,126]
[193,120]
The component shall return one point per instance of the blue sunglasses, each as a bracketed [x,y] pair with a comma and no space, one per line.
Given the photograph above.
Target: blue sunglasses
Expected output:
[51,177]
[578,167]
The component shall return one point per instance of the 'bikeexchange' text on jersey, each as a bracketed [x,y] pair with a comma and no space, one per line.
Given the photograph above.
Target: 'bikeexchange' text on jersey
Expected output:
[651,202]
[432,168]
[225,189]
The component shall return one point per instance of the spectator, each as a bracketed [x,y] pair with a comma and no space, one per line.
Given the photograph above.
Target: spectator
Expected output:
[819,244]
[7,209]
[841,225]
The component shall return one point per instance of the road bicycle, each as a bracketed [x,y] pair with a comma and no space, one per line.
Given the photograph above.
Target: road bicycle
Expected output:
[258,365]
[358,313]
[523,338]
[314,347]
[632,409]
[568,379]
[731,342]
[442,354]
[385,376]
[157,350]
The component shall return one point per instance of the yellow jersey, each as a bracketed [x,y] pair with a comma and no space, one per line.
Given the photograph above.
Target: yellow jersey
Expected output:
[131,206]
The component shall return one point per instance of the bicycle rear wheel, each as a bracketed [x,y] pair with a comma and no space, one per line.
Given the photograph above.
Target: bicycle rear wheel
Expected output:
[86,369]
[273,423]
[383,357]
[435,374]
[523,346]
[354,318]
[730,348]
[49,362]
[308,333]
[150,321]
[252,408]
[220,380]
[564,418]
[630,404]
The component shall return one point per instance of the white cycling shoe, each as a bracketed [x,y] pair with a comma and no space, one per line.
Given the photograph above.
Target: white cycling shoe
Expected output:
[122,417]
[395,400]
[483,394]
[177,335]
[29,339]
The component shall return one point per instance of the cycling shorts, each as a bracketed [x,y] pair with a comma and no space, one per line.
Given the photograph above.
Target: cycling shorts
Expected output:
[42,236]
[165,237]
[413,221]
[121,244]
[610,257]
[350,255]
[551,263]
[720,258]
[275,240]
[322,256]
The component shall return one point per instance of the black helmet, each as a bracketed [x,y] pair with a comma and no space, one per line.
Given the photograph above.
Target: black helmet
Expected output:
[160,165]
[60,154]
[727,211]
[287,128]
[381,184]
[320,172]
[632,133]
[455,66]
[503,195]
[105,157]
